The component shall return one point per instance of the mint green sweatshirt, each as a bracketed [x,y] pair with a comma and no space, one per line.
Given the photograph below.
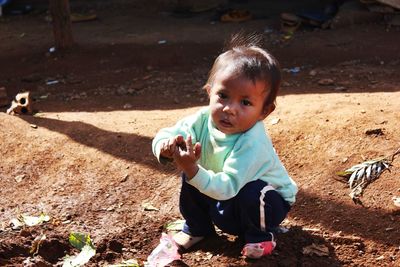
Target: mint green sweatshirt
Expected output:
[228,162]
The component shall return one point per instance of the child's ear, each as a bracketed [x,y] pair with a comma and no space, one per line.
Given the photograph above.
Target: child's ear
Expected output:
[207,87]
[267,110]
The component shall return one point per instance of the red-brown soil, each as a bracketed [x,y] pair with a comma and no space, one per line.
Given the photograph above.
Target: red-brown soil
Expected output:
[89,166]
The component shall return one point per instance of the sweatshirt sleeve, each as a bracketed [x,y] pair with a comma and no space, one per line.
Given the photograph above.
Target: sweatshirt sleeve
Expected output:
[190,125]
[244,164]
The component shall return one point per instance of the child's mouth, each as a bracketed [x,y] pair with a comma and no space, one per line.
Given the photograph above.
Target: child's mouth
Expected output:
[226,123]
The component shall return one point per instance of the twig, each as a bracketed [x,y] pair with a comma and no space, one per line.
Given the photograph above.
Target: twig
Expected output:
[392,156]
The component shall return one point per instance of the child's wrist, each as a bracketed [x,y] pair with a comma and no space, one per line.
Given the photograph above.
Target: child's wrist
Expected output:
[191,171]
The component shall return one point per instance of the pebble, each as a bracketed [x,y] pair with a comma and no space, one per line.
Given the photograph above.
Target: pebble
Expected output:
[313,73]
[19,178]
[325,82]
[127,106]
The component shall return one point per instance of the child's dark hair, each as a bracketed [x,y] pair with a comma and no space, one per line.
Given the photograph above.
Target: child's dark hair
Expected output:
[245,56]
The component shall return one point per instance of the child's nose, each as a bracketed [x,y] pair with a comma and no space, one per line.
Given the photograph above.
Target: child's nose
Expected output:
[230,108]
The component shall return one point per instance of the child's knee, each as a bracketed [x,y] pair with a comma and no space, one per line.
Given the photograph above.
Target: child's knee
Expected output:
[253,193]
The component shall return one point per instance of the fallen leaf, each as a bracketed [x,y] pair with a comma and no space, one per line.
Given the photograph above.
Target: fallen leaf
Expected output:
[36,244]
[33,220]
[16,224]
[319,250]
[175,226]
[149,207]
[127,263]
[79,240]
[82,258]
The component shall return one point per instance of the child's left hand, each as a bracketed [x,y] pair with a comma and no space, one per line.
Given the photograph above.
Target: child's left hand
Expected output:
[186,159]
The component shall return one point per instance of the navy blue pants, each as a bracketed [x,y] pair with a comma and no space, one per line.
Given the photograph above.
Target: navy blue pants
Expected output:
[252,214]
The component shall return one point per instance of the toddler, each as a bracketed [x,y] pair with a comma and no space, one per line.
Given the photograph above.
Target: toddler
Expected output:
[231,175]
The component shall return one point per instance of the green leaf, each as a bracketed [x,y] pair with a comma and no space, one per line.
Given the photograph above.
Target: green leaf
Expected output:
[83,257]
[127,263]
[79,240]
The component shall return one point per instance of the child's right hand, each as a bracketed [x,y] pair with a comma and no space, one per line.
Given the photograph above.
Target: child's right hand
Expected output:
[169,146]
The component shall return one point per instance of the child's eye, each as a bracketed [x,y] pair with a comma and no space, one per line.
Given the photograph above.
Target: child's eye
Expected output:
[246,102]
[222,95]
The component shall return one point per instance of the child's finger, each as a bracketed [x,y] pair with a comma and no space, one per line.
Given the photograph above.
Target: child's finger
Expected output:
[197,150]
[179,139]
[172,145]
[189,145]
[180,142]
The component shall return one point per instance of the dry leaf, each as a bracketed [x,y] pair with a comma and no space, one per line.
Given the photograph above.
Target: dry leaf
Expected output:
[149,207]
[319,250]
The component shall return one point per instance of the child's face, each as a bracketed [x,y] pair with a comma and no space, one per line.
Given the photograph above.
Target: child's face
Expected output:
[236,102]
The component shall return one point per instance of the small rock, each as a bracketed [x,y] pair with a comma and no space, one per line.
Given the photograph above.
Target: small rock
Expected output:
[313,73]
[112,208]
[127,106]
[325,82]
[34,126]
[149,207]
[44,96]
[19,178]
[396,202]
[275,121]
[131,91]
[125,178]
[375,132]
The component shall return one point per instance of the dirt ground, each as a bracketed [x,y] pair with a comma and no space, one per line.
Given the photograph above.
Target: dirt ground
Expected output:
[84,158]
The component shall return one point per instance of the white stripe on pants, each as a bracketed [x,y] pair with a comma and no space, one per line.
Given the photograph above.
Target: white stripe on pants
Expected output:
[262,206]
